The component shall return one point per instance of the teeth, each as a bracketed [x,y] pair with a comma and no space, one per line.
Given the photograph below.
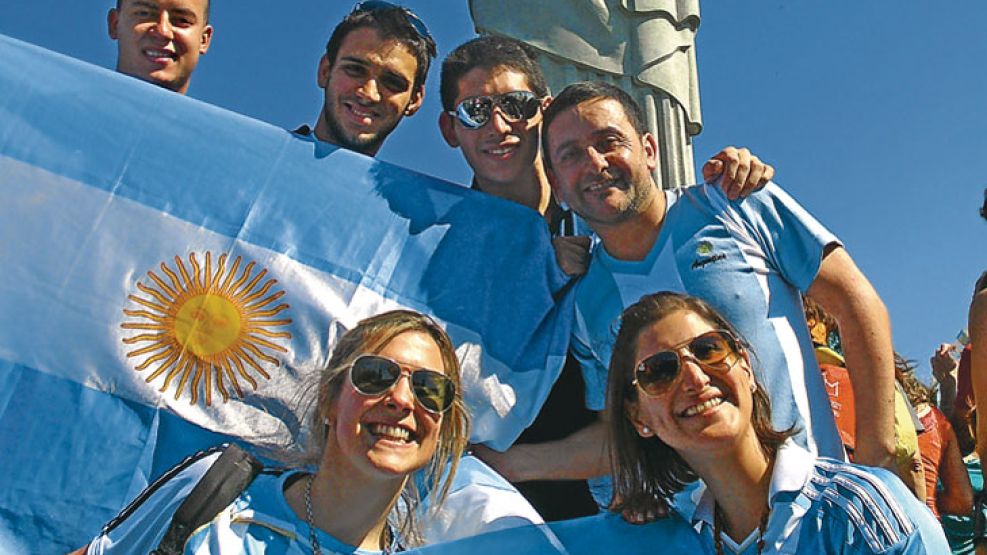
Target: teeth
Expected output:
[159,53]
[600,186]
[501,151]
[696,409]
[390,432]
[361,113]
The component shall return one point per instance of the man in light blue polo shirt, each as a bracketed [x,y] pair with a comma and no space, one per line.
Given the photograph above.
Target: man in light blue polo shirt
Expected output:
[751,259]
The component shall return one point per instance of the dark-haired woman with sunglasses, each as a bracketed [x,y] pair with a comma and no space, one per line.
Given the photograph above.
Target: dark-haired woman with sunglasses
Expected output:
[685,405]
[388,405]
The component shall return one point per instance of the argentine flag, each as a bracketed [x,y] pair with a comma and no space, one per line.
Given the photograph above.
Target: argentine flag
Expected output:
[173,273]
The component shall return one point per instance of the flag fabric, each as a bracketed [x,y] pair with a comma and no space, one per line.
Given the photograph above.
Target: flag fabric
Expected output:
[603,533]
[174,273]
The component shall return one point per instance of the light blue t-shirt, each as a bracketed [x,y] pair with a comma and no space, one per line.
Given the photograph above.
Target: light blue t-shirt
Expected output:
[751,259]
[821,505]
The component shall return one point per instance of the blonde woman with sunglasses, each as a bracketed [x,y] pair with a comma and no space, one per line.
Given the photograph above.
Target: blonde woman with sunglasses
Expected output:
[685,405]
[388,405]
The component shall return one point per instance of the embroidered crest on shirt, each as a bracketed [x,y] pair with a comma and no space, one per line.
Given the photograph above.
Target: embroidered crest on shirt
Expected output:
[705,255]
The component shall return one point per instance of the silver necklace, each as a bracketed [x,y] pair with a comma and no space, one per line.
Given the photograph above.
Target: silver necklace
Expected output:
[316,549]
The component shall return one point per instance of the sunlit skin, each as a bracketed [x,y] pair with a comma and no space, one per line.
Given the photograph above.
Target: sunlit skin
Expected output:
[601,167]
[160,41]
[356,442]
[504,156]
[364,459]
[713,431]
[718,442]
[368,89]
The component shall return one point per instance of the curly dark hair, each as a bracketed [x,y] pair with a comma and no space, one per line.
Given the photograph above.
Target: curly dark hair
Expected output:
[646,469]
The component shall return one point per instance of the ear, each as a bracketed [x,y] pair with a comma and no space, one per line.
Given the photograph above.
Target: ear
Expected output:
[322,77]
[447,125]
[633,414]
[112,23]
[417,98]
[545,102]
[206,39]
[650,150]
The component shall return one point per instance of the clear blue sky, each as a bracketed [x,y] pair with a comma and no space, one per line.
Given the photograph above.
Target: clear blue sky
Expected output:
[873,113]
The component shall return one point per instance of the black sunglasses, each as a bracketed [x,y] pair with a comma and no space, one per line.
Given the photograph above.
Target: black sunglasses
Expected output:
[374,375]
[716,350]
[377,5]
[475,112]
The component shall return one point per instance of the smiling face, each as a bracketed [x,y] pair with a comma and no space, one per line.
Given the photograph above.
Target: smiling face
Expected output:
[704,411]
[369,87]
[500,152]
[390,435]
[601,166]
[160,41]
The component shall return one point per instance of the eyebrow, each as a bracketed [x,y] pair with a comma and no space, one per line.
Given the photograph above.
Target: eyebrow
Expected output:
[155,6]
[387,72]
[610,129]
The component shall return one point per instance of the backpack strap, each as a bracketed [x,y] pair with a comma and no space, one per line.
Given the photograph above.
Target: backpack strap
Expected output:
[225,480]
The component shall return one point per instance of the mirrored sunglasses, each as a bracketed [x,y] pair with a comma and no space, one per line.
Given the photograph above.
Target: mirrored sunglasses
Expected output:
[716,350]
[475,112]
[377,5]
[374,375]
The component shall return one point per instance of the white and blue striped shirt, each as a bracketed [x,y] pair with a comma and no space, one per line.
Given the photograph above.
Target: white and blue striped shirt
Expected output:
[822,505]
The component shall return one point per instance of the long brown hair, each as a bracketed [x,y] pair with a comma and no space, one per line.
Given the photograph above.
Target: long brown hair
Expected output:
[370,336]
[645,469]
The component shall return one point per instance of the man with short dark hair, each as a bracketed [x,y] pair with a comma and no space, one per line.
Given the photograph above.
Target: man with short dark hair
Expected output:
[373,74]
[160,41]
[749,258]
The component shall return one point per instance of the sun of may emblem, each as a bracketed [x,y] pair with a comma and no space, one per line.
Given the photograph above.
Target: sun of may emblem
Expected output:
[207,326]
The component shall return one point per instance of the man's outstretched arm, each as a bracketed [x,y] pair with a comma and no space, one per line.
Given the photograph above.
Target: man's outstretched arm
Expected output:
[579,456]
[843,291]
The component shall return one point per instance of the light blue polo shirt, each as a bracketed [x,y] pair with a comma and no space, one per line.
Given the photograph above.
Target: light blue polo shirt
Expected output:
[821,505]
[751,259]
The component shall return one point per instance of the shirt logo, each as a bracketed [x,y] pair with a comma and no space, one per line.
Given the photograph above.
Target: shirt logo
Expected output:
[704,250]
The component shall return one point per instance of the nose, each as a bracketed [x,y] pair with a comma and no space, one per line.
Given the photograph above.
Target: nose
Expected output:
[162,27]
[498,121]
[597,160]
[401,396]
[369,91]
[694,378]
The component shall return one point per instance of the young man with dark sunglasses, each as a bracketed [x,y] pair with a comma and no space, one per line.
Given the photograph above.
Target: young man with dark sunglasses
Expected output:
[372,74]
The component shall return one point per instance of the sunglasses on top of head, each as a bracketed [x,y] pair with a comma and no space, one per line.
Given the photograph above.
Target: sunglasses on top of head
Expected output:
[378,5]
[716,350]
[515,106]
[374,375]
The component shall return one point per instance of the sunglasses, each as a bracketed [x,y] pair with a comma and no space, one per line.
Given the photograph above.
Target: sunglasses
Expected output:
[715,350]
[378,5]
[475,112]
[374,375]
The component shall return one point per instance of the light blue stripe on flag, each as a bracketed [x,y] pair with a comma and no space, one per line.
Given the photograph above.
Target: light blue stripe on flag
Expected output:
[133,218]
[594,535]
